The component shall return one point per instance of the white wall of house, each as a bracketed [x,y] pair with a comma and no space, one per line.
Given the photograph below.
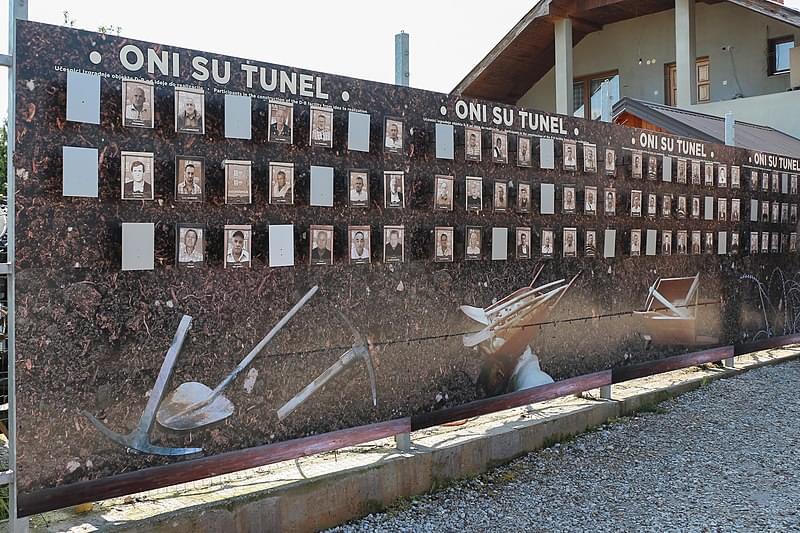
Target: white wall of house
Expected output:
[779,110]
[620,45]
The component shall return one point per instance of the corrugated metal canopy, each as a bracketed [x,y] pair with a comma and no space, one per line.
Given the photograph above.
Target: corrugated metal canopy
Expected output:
[709,127]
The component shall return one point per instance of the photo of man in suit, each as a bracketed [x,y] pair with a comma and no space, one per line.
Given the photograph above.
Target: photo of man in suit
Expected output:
[444,245]
[281,183]
[682,242]
[499,147]
[524,198]
[524,152]
[321,245]
[394,189]
[393,247]
[472,150]
[137,175]
[473,250]
[523,243]
[281,118]
[570,155]
[611,162]
[590,200]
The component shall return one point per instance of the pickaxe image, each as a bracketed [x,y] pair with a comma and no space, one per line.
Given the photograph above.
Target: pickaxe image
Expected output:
[360,350]
[139,439]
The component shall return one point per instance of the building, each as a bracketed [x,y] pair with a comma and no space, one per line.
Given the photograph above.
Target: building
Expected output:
[709,56]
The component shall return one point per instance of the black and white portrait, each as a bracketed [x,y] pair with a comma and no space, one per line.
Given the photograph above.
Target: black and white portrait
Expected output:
[393,135]
[722,176]
[281,121]
[321,127]
[735,242]
[776,185]
[610,162]
[137,101]
[696,249]
[682,236]
[474,238]
[443,187]
[190,245]
[792,214]
[722,209]
[570,242]
[570,155]
[136,175]
[652,167]
[793,184]
[238,239]
[652,208]
[190,110]
[590,246]
[709,175]
[765,181]
[523,242]
[589,158]
[695,172]
[393,244]
[472,143]
[320,245]
[681,171]
[474,200]
[636,164]
[359,244]
[695,207]
[682,212]
[753,242]
[394,189]
[499,147]
[590,200]
[736,177]
[666,206]
[735,210]
[709,242]
[547,243]
[569,199]
[524,198]
[666,242]
[444,244]
[358,188]
[189,178]
[610,201]
[281,183]
[636,242]
[500,195]
[636,203]
[524,158]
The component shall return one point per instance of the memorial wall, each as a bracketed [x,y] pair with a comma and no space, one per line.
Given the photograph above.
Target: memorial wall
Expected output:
[216,253]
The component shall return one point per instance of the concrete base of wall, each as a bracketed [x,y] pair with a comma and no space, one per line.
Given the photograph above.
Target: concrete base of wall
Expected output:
[323,491]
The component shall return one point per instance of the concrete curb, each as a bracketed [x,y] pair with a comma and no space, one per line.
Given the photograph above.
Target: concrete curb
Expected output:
[439,457]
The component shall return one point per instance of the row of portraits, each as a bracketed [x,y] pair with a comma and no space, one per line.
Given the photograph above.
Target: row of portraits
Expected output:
[238,242]
[190,116]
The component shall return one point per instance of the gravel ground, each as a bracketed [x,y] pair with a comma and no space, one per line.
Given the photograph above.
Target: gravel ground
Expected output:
[722,458]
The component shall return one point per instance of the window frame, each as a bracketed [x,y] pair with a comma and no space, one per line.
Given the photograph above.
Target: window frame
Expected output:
[587,84]
[772,54]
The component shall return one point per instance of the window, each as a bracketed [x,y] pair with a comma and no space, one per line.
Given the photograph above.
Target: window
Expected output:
[779,55]
[587,94]
[703,67]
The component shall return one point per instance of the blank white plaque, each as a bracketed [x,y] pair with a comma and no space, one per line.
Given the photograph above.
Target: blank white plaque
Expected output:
[238,117]
[784,183]
[547,153]
[708,213]
[547,199]
[610,243]
[322,186]
[281,245]
[138,243]
[358,132]
[652,235]
[79,173]
[83,97]
[666,168]
[753,210]
[444,141]
[499,244]
[722,242]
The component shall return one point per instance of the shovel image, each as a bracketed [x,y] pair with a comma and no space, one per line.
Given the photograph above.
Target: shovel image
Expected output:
[194,405]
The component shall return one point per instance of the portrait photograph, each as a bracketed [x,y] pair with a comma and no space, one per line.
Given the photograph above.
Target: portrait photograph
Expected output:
[590,200]
[570,242]
[320,245]
[792,214]
[321,127]
[570,155]
[524,198]
[474,201]
[394,189]
[190,110]
[765,181]
[238,241]
[764,242]
[523,243]
[610,201]
[137,101]
[695,207]
[636,164]
[636,203]
[682,236]
[793,184]
[722,209]
[472,143]
[753,242]
[709,175]
[736,177]
[735,242]
[548,243]
[444,244]
[500,195]
[474,238]
[590,246]
[358,180]
[709,243]
[281,120]
[774,246]
[735,210]
[784,213]
[652,206]
[524,158]
[393,248]
[681,171]
[792,242]
[359,244]
[776,182]
[569,199]
[136,175]
[695,172]
[610,162]
[190,245]
[636,242]
[682,207]
[666,206]
[189,178]
[393,135]
[238,182]
[499,147]
[776,209]
[722,176]
[666,242]
[754,180]
[696,249]
[443,185]
[281,183]
[589,158]
[765,211]
[652,167]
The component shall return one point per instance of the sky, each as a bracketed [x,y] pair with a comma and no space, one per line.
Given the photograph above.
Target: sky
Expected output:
[345,37]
